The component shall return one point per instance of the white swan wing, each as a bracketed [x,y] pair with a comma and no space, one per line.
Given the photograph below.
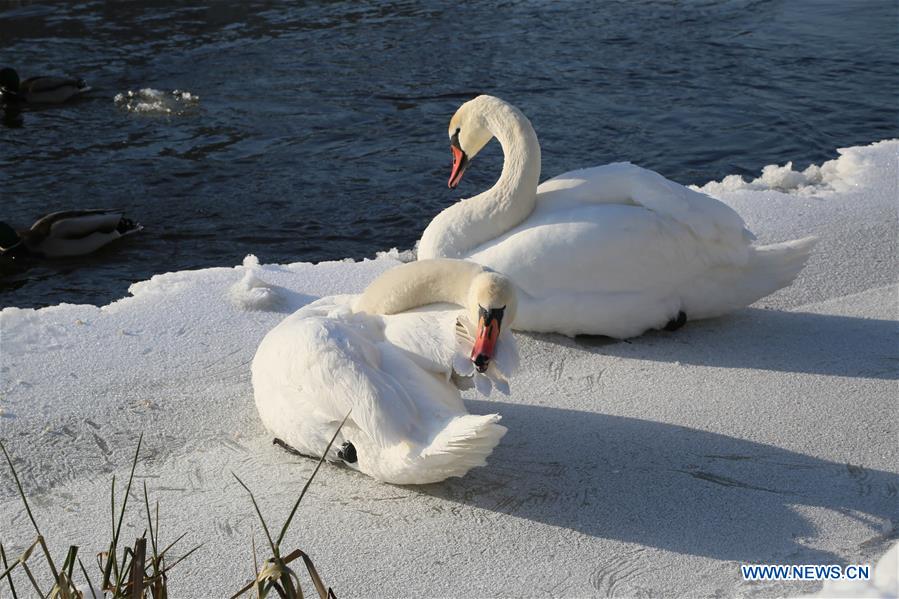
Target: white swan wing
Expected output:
[506,359]
[593,248]
[624,183]
[392,372]
[318,368]
[437,338]
[427,335]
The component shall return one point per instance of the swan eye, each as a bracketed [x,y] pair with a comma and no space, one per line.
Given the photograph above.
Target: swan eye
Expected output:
[454,139]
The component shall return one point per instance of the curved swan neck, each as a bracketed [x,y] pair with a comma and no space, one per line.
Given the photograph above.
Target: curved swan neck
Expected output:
[469,223]
[418,284]
[516,188]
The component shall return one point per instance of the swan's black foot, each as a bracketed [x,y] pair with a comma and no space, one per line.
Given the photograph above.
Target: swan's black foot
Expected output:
[285,446]
[676,323]
[347,453]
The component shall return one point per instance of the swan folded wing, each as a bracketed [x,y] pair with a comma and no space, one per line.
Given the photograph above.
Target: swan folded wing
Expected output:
[427,336]
[462,364]
[354,376]
[334,306]
[625,183]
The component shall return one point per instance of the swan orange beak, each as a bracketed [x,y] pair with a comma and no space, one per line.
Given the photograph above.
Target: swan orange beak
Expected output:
[460,163]
[484,348]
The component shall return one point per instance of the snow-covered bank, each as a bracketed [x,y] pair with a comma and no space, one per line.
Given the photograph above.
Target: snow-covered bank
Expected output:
[636,469]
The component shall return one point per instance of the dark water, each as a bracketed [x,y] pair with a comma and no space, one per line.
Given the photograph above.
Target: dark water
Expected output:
[321,128]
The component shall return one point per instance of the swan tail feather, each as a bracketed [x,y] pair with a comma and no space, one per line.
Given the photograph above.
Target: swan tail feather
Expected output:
[769,268]
[464,443]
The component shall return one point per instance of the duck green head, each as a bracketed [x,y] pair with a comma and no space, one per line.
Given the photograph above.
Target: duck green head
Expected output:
[9,81]
[8,237]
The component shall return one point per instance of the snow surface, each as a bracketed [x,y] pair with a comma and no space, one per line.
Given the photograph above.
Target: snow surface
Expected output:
[643,468]
[883,582]
[251,292]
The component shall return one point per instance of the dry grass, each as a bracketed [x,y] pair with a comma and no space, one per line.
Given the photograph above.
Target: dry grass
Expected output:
[276,575]
[129,572]
[133,575]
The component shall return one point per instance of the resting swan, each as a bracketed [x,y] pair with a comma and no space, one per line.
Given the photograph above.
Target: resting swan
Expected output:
[612,250]
[392,370]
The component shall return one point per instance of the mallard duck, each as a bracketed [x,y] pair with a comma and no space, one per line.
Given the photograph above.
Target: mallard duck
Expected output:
[68,233]
[39,90]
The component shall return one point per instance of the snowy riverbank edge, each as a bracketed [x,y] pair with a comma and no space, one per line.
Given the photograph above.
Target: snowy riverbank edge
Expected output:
[648,468]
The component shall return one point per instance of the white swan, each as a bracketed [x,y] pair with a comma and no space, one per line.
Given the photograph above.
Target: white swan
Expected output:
[612,250]
[393,371]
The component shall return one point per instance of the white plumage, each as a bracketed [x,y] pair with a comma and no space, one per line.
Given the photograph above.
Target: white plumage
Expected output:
[612,250]
[392,373]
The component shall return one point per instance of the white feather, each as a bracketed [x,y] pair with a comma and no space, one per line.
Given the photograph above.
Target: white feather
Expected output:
[612,250]
[394,374]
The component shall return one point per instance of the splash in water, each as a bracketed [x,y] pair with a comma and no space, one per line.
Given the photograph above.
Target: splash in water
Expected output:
[154,101]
